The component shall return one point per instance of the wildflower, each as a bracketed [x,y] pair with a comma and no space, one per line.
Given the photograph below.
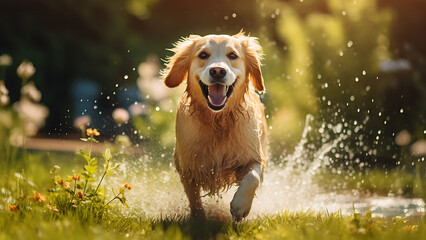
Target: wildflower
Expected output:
[124,198]
[5,60]
[403,138]
[76,177]
[4,94]
[4,100]
[80,195]
[63,183]
[107,154]
[419,148]
[16,138]
[38,197]
[25,70]
[137,109]
[82,122]
[92,132]
[149,69]
[128,186]
[13,208]
[31,114]
[120,115]
[21,197]
[53,208]
[31,92]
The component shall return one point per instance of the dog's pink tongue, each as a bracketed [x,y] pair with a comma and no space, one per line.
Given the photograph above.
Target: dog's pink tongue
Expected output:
[217,94]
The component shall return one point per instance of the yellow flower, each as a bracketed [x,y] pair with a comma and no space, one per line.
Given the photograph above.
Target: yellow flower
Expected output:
[38,197]
[92,132]
[13,208]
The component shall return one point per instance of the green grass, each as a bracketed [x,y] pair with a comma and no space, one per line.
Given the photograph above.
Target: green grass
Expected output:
[87,219]
[287,225]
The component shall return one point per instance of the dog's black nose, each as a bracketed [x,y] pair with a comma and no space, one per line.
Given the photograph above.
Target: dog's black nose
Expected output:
[217,72]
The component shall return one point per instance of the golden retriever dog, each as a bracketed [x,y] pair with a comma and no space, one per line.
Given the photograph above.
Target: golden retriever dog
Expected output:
[221,131]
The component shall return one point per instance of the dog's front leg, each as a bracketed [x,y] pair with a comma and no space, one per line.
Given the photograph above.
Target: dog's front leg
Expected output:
[243,198]
[192,191]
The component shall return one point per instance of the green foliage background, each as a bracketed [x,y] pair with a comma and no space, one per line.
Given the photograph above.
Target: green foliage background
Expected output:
[321,57]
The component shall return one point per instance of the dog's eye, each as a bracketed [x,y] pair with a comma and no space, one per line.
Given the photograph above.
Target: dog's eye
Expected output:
[203,55]
[232,56]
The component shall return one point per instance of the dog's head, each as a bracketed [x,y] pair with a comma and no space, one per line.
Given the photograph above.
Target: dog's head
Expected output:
[216,67]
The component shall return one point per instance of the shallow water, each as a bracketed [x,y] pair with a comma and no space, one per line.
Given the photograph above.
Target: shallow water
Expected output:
[288,185]
[160,193]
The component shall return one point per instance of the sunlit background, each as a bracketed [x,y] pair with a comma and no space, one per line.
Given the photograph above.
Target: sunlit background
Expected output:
[350,73]
[360,63]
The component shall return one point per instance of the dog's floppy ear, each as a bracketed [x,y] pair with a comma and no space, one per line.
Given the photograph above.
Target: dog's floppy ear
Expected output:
[253,52]
[178,65]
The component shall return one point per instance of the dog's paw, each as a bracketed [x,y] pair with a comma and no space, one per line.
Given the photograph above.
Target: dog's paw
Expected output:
[240,206]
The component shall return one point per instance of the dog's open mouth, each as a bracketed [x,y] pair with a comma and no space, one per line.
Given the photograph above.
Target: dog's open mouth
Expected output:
[217,94]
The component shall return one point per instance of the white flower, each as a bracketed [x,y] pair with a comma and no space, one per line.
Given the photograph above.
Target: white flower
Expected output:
[137,109]
[4,100]
[82,122]
[403,138]
[25,70]
[32,115]
[5,60]
[148,69]
[4,94]
[16,138]
[120,115]
[30,91]
[418,148]
[3,89]
[149,81]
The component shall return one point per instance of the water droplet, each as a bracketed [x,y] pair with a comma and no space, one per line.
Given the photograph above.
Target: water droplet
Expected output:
[364,72]
[126,76]
[344,13]
[350,43]
[234,15]
[341,53]
[356,79]
[157,109]
[401,110]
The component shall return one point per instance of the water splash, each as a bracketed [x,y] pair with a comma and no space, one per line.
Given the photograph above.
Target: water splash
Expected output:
[288,185]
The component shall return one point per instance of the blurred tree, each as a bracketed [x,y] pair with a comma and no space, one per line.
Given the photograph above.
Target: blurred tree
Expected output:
[68,40]
[328,58]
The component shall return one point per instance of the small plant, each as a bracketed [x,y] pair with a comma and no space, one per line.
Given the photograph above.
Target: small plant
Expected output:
[77,192]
